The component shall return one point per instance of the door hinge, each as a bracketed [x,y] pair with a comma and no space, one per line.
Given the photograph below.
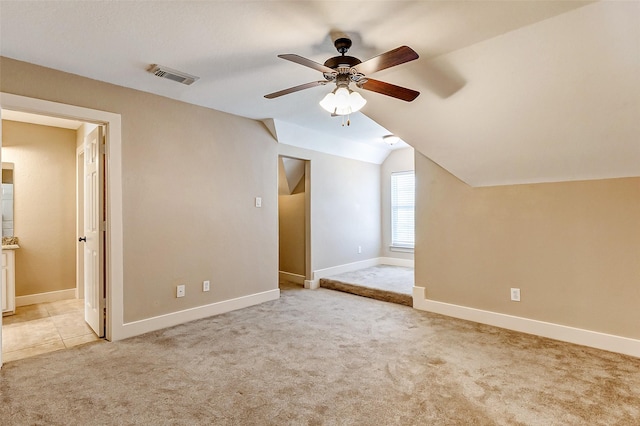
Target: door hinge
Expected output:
[103,148]
[103,303]
[103,225]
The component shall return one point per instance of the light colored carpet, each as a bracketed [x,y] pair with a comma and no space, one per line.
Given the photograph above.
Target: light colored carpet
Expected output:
[324,357]
[382,282]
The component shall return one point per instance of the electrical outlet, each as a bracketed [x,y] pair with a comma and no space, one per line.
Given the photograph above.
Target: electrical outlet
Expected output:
[515,294]
[205,285]
[180,290]
[359,249]
[258,202]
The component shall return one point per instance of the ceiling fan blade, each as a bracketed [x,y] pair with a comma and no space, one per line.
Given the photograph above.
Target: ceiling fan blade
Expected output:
[295,89]
[386,60]
[306,62]
[390,90]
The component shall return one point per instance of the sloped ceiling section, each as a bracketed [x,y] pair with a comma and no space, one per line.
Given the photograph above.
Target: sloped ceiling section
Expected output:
[303,137]
[554,101]
[290,174]
[511,91]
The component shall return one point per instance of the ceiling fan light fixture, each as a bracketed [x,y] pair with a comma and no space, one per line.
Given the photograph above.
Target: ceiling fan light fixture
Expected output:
[390,139]
[342,101]
[357,101]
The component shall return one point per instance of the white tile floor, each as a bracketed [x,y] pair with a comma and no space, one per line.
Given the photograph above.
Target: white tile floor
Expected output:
[44,327]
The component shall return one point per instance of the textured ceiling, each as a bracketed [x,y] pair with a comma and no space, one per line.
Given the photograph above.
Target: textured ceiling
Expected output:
[466,71]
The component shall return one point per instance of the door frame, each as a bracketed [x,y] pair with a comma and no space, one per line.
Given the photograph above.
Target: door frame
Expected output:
[114,229]
[308,269]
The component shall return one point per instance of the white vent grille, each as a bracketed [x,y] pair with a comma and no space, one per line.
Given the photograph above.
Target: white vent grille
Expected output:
[179,76]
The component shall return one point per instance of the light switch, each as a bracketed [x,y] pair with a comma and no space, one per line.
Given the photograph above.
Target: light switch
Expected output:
[515,294]
[258,202]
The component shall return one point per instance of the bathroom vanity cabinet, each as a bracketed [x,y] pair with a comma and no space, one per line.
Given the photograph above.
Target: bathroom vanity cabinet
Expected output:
[9,243]
[8,280]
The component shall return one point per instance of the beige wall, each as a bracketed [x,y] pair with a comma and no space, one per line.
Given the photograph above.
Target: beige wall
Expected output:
[190,175]
[291,233]
[399,160]
[573,248]
[44,205]
[292,216]
[345,208]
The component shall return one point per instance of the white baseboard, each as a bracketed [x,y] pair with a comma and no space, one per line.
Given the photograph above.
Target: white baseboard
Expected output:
[394,261]
[136,328]
[348,267]
[312,284]
[50,296]
[288,276]
[594,339]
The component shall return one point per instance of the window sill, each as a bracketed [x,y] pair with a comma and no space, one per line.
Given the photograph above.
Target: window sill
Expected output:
[401,249]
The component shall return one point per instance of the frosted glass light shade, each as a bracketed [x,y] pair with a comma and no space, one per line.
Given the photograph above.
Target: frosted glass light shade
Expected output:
[342,101]
[391,139]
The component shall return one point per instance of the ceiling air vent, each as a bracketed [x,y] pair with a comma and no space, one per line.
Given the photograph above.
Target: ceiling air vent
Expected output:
[180,77]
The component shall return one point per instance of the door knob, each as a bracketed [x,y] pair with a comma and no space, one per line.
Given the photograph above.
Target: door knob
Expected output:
[81,239]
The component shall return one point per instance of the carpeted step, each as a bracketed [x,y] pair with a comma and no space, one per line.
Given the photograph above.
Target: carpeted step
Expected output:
[372,293]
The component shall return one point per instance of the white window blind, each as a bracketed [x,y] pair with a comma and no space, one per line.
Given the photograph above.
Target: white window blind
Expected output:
[403,189]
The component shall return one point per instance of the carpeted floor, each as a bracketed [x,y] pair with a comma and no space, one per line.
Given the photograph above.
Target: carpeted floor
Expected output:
[324,357]
[382,282]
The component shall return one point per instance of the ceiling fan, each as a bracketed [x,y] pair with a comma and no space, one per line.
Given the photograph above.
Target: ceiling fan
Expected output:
[343,70]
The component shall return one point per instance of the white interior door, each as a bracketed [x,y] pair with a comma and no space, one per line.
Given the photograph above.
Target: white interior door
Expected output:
[94,298]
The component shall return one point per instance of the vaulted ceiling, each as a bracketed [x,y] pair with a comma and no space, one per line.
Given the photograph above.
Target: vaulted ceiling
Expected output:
[511,91]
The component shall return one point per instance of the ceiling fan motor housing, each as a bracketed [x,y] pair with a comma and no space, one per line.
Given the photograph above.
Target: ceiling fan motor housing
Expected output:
[342,61]
[344,68]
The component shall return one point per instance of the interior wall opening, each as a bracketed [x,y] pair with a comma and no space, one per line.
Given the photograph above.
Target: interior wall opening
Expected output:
[293,220]
[46,309]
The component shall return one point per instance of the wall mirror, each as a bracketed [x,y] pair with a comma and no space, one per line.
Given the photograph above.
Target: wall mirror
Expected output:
[7,199]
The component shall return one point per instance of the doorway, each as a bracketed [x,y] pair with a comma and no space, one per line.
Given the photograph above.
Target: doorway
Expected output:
[115,328]
[49,310]
[294,220]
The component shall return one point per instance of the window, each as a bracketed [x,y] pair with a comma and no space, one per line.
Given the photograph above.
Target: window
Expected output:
[403,190]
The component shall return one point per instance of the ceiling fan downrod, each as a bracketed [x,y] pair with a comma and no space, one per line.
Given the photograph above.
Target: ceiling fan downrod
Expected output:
[342,45]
